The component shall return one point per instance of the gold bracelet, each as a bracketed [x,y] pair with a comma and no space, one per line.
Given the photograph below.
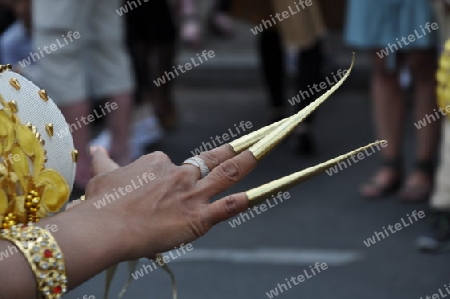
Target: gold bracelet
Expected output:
[43,255]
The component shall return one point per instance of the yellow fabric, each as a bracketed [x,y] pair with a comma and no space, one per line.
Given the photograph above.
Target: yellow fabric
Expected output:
[441,196]
[443,74]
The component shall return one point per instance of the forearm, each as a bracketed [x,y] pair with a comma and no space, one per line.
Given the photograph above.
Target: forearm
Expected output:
[89,238]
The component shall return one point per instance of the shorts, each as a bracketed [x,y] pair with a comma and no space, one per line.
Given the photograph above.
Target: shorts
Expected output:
[82,49]
[374,25]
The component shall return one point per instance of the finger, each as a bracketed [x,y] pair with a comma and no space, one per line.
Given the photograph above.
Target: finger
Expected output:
[101,162]
[227,174]
[212,158]
[227,207]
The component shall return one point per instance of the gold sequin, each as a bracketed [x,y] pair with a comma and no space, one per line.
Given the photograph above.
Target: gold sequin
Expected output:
[43,95]
[15,83]
[49,129]
[75,156]
[13,106]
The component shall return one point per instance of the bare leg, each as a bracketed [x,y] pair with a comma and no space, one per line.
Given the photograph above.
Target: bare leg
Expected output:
[389,115]
[423,66]
[72,113]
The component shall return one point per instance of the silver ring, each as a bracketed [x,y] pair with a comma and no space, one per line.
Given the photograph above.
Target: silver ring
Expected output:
[198,162]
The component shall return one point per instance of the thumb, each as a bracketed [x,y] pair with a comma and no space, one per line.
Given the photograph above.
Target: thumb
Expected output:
[101,162]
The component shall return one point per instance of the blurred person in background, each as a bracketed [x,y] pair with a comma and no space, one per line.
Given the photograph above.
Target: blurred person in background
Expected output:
[15,41]
[437,236]
[96,61]
[301,32]
[6,15]
[377,26]
[190,23]
[219,21]
[152,32]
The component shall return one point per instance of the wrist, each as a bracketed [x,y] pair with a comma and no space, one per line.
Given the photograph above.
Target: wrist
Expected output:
[91,240]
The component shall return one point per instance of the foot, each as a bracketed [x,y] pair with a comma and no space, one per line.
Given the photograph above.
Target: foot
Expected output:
[417,187]
[384,182]
[437,237]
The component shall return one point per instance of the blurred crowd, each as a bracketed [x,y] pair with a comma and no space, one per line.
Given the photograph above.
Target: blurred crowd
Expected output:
[123,46]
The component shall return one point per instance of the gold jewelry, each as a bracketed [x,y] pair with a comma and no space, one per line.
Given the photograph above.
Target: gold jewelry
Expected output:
[44,257]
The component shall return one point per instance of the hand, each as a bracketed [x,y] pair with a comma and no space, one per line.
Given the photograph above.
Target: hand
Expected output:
[173,208]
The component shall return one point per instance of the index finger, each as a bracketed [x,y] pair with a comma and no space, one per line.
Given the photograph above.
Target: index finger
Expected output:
[227,174]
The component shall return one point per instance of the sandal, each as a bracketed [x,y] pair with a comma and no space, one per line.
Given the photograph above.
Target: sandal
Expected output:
[380,189]
[420,191]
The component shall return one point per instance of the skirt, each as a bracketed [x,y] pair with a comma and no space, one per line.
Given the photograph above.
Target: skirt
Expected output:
[375,24]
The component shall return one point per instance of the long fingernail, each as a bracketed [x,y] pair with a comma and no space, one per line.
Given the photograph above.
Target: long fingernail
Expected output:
[241,144]
[259,194]
[276,136]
